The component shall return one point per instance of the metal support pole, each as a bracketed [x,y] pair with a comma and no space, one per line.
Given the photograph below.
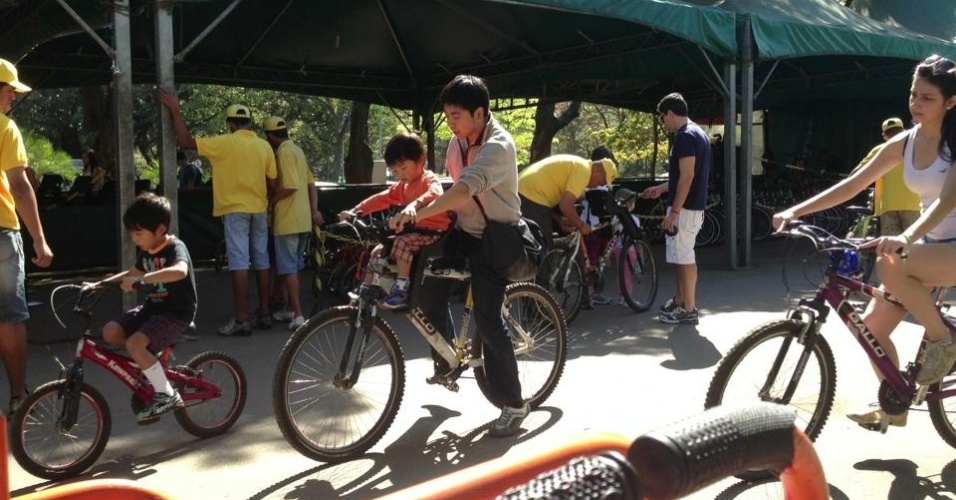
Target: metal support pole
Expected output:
[428,127]
[123,109]
[730,164]
[746,142]
[163,21]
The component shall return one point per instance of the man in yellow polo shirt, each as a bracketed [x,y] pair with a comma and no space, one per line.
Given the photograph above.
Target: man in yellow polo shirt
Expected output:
[895,205]
[16,196]
[294,210]
[243,172]
[558,182]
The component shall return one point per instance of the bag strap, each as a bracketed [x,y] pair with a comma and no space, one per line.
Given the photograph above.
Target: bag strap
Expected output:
[482,208]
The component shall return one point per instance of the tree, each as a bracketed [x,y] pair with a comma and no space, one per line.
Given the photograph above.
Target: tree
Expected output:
[547,125]
[358,162]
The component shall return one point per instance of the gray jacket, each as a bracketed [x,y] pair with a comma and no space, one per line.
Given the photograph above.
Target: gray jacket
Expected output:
[490,170]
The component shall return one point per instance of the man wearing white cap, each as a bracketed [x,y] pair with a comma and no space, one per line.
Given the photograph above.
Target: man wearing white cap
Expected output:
[243,171]
[16,197]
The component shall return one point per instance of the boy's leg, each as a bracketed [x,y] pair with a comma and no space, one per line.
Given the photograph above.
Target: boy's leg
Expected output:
[403,251]
[137,345]
[157,332]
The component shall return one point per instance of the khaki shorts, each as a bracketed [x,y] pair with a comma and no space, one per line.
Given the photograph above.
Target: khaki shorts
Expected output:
[894,222]
[680,247]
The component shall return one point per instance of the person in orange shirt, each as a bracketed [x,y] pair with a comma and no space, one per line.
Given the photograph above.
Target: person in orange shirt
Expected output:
[416,188]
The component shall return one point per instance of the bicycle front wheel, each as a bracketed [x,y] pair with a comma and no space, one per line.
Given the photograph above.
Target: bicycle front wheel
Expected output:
[326,410]
[567,289]
[540,339]
[211,417]
[637,275]
[772,364]
[43,447]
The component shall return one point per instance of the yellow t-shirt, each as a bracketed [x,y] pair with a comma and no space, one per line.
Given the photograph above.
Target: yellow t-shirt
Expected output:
[891,193]
[545,181]
[293,214]
[241,163]
[13,154]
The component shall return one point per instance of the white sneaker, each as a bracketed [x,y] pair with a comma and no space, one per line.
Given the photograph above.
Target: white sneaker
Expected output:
[283,315]
[296,323]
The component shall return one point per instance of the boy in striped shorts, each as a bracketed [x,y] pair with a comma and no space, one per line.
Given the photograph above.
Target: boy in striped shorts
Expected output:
[416,187]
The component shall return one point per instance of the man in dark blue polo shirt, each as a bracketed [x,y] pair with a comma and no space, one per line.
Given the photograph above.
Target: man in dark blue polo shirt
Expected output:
[686,189]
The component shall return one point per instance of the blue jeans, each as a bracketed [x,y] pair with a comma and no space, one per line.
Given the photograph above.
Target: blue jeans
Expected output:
[488,289]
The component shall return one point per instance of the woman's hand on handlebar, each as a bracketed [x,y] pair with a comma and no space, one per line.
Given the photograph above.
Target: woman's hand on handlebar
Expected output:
[407,216]
[888,245]
[782,219]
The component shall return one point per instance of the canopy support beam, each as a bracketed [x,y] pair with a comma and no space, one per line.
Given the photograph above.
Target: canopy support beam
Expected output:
[181,56]
[730,165]
[165,78]
[398,43]
[745,202]
[766,79]
[265,32]
[86,27]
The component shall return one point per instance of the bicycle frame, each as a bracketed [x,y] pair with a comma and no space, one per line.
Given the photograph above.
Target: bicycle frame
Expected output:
[127,372]
[835,293]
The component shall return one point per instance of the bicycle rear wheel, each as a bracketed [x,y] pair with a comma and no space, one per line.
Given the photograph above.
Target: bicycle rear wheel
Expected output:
[765,365]
[323,411]
[43,448]
[637,274]
[943,411]
[540,339]
[211,417]
[567,292]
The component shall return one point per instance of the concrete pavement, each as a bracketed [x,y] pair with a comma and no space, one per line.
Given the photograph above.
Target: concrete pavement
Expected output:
[626,373]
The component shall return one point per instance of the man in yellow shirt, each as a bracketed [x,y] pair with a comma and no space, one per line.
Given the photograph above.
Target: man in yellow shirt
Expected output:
[16,197]
[294,210]
[895,205]
[558,182]
[243,171]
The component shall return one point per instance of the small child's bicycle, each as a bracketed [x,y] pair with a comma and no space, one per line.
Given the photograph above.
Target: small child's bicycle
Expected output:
[62,428]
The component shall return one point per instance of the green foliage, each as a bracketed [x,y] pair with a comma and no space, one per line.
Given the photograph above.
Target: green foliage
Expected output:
[45,159]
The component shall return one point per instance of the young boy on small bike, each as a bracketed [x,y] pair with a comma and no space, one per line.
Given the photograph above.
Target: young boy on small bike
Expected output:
[416,188]
[164,266]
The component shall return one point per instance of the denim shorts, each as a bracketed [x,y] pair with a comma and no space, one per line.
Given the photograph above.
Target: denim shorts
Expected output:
[247,236]
[289,249]
[13,295]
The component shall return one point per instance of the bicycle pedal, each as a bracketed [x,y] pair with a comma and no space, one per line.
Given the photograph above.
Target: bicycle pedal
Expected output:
[147,421]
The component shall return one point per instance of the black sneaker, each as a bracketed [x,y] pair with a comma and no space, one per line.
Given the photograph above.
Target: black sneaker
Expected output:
[669,306]
[509,422]
[160,404]
[680,316]
[264,322]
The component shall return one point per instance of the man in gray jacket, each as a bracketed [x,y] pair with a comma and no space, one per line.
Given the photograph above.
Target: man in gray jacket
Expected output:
[482,161]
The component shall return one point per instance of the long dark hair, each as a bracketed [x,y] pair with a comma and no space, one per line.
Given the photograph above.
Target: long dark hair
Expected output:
[941,73]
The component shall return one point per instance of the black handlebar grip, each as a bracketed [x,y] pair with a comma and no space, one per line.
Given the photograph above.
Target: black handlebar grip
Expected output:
[721,442]
[606,476]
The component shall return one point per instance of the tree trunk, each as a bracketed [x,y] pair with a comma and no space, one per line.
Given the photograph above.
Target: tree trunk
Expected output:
[98,118]
[358,162]
[546,126]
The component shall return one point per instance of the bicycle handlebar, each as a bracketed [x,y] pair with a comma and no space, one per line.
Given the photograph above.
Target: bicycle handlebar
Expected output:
[660,465]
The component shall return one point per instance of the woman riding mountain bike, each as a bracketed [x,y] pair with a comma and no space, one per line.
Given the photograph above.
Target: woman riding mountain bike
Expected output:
[927,152]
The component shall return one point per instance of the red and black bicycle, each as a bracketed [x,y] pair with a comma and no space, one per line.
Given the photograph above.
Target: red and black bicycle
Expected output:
[62,428]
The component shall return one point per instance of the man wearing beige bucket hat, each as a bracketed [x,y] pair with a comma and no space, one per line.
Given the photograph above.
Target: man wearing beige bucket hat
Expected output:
[16,197]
